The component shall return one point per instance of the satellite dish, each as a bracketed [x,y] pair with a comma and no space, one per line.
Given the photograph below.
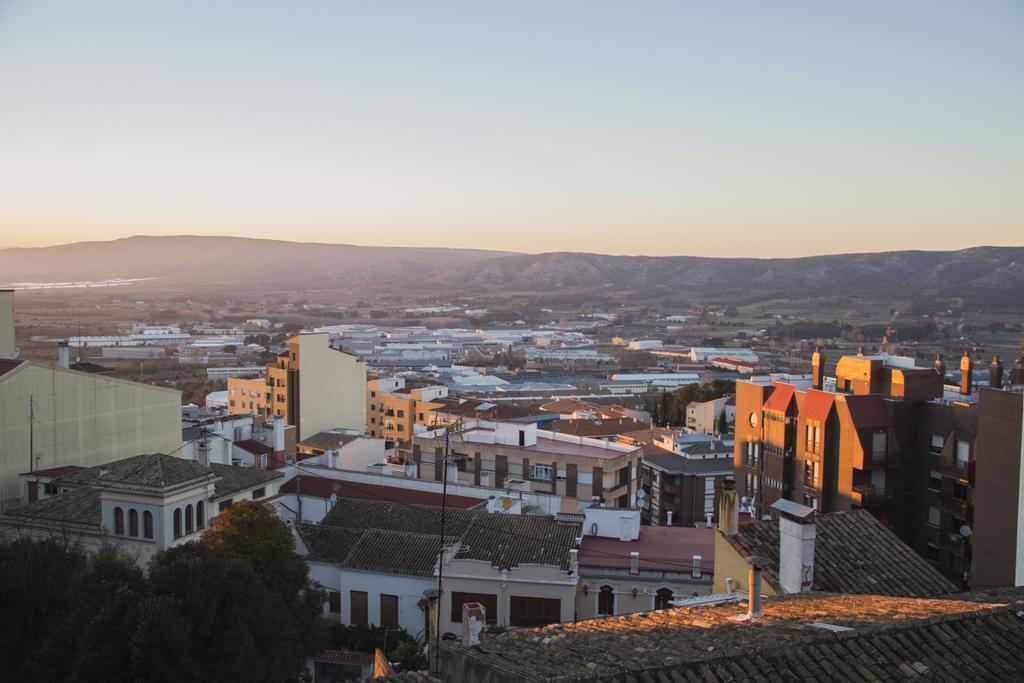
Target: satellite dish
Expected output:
[965,531]
[262,436]
[641,494]
[745,500]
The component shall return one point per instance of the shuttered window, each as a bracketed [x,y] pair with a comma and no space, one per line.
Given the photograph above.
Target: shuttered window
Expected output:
[529,611]
[389,610]
[359,617]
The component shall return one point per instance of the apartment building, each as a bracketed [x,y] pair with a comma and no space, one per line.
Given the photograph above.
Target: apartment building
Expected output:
[392,409]
[312,385]
[519,456]
[886,435]
[683,485]
[704,416]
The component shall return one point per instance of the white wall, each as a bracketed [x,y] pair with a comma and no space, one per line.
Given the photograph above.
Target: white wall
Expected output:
[408,589]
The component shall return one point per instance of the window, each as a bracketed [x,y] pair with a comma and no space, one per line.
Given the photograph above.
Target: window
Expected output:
[147,524]
[119,521]
[389,611]
[224,505]
[937,443]
[878,440]
[540,472]
[188,519]
[606,602]
[709,503]
[935,481]
[709,485]
[259,493]
[358,600]
[401,413]
[200,515]
[532,612]
[488,600]
[811,502]
[133,522]
[933,516]
[177,522]
[663,598]
[334,601]
[50,488]
[963,453]
[401,427]
[932,552]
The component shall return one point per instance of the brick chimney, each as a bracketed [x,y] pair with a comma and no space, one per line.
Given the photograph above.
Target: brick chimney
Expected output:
[995,373]
[966,374]
[729,509]
[817,368]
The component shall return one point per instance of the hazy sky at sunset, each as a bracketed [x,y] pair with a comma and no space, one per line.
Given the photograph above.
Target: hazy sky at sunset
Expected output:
[714,128]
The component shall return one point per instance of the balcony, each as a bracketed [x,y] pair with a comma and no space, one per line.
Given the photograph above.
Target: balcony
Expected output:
[962,471]
[954,543]
[954,505]
[868,495]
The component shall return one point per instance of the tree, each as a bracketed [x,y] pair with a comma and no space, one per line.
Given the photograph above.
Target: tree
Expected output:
[35,579]
[253,532]
[723,422]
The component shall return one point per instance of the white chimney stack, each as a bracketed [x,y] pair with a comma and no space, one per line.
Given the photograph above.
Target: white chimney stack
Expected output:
[634,562]
[754,597]
[574,560]
[670,518]
[474,620]
[63,354]
[278,433]
[796,546]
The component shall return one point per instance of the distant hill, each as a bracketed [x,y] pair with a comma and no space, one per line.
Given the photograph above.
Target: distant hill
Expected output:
[968,272]
[995,273]
[212,260]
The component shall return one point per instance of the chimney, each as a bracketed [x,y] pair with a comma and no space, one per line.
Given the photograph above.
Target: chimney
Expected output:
[474,620]
[817,369]
[634,562]
[940,366]
[860,350]
[966,374]
[669,513]
[754,588]
[707,519]
[63,354]
[278,433]
[796,546]
[728,509]
[574,561]
[995,373]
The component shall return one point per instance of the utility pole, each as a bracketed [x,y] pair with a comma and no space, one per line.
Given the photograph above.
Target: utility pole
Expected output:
[440,557]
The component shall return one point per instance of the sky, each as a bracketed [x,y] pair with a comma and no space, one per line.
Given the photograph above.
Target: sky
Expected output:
[719,128]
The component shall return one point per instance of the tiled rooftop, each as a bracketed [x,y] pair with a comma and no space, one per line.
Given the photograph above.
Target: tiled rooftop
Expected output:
[234,479]
[968,638]
[505,541]
[371,550]
[328,440]
[321,487]
[78,509]
[150,471]
[853,553]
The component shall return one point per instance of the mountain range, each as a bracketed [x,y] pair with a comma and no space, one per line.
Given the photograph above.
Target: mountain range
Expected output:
[996,272]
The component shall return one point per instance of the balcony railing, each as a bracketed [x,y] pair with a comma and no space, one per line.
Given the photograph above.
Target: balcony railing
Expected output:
[954,543]
[868,494]
[954,505]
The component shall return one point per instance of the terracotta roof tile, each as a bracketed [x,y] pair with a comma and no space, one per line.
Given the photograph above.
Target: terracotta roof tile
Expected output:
[817,405]
[967,638]
[782,396]
[853,553]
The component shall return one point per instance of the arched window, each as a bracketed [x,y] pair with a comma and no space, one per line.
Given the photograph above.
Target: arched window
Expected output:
[663,598]
[119,521]
[606,602]
[147,524]
[188,519]
[177,522]
[200,515]
[133,522]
